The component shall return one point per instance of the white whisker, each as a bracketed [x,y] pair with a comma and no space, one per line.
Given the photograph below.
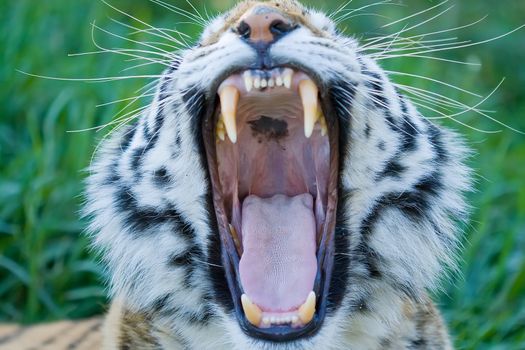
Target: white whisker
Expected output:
[167,36]
[432,80]
[196,20]
[415,14]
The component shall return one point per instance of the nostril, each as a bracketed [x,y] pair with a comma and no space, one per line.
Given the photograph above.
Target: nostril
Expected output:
[244,30]
[280,27]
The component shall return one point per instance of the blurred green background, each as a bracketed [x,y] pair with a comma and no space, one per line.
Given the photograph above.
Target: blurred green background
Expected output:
[46,270]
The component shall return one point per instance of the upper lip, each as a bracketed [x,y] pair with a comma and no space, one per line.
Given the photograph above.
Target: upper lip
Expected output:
[325,248]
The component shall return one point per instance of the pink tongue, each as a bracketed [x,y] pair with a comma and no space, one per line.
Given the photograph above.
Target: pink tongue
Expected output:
[278,264]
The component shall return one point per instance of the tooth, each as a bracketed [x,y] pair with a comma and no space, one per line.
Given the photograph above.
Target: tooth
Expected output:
[308,91]
[307,310]
[279,81]
[287,77]
[252,311]
[322,121]
[220,129]
[266,320]
[233,231]
[248,81]
[295,319]
[264,83]
[229,99]
[257,82]
[273,319]
[271,82]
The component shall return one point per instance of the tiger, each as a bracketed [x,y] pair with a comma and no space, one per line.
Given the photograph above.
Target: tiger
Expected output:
[279,192]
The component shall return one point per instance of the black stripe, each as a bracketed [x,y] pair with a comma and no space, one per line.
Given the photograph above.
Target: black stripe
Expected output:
[367,258]
[201,317]
[392,169]
[368,129]
[341,95]
[436,141]
[195,102]
[136,160]
[161,177]
[375,84]
[339,280]
[360,305]
[127,136]
[140,218]
[409,132]
[414,202]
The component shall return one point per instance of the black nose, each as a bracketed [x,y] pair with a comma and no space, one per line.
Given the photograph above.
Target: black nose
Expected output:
[263,24]
[261,27]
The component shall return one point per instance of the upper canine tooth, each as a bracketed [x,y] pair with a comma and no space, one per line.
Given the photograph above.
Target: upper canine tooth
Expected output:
[287,77]
[307,310]
[248,81]
[229,98]
[308,91]
[252,311]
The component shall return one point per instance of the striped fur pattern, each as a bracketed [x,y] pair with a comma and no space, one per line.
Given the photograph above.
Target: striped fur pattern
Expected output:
[401,184]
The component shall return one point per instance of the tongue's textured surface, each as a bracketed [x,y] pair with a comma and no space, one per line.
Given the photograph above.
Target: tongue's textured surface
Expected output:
[278,264]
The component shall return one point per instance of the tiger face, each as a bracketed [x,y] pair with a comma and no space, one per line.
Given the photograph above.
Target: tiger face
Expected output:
[279,193]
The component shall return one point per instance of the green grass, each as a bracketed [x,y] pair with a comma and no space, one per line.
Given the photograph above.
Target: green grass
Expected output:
[46,270]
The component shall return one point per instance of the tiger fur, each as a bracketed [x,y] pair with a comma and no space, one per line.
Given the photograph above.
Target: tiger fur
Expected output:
[400,185]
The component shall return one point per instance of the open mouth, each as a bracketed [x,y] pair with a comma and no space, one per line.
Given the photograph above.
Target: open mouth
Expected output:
[272,153]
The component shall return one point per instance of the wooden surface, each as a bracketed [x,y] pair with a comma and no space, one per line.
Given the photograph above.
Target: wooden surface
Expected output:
[79,335]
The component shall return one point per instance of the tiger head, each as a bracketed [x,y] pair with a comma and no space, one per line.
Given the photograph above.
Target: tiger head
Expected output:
[279,192]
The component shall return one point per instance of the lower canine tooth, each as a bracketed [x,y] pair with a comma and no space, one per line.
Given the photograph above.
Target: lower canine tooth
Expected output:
[307,310]
[308,91]
[252,311]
